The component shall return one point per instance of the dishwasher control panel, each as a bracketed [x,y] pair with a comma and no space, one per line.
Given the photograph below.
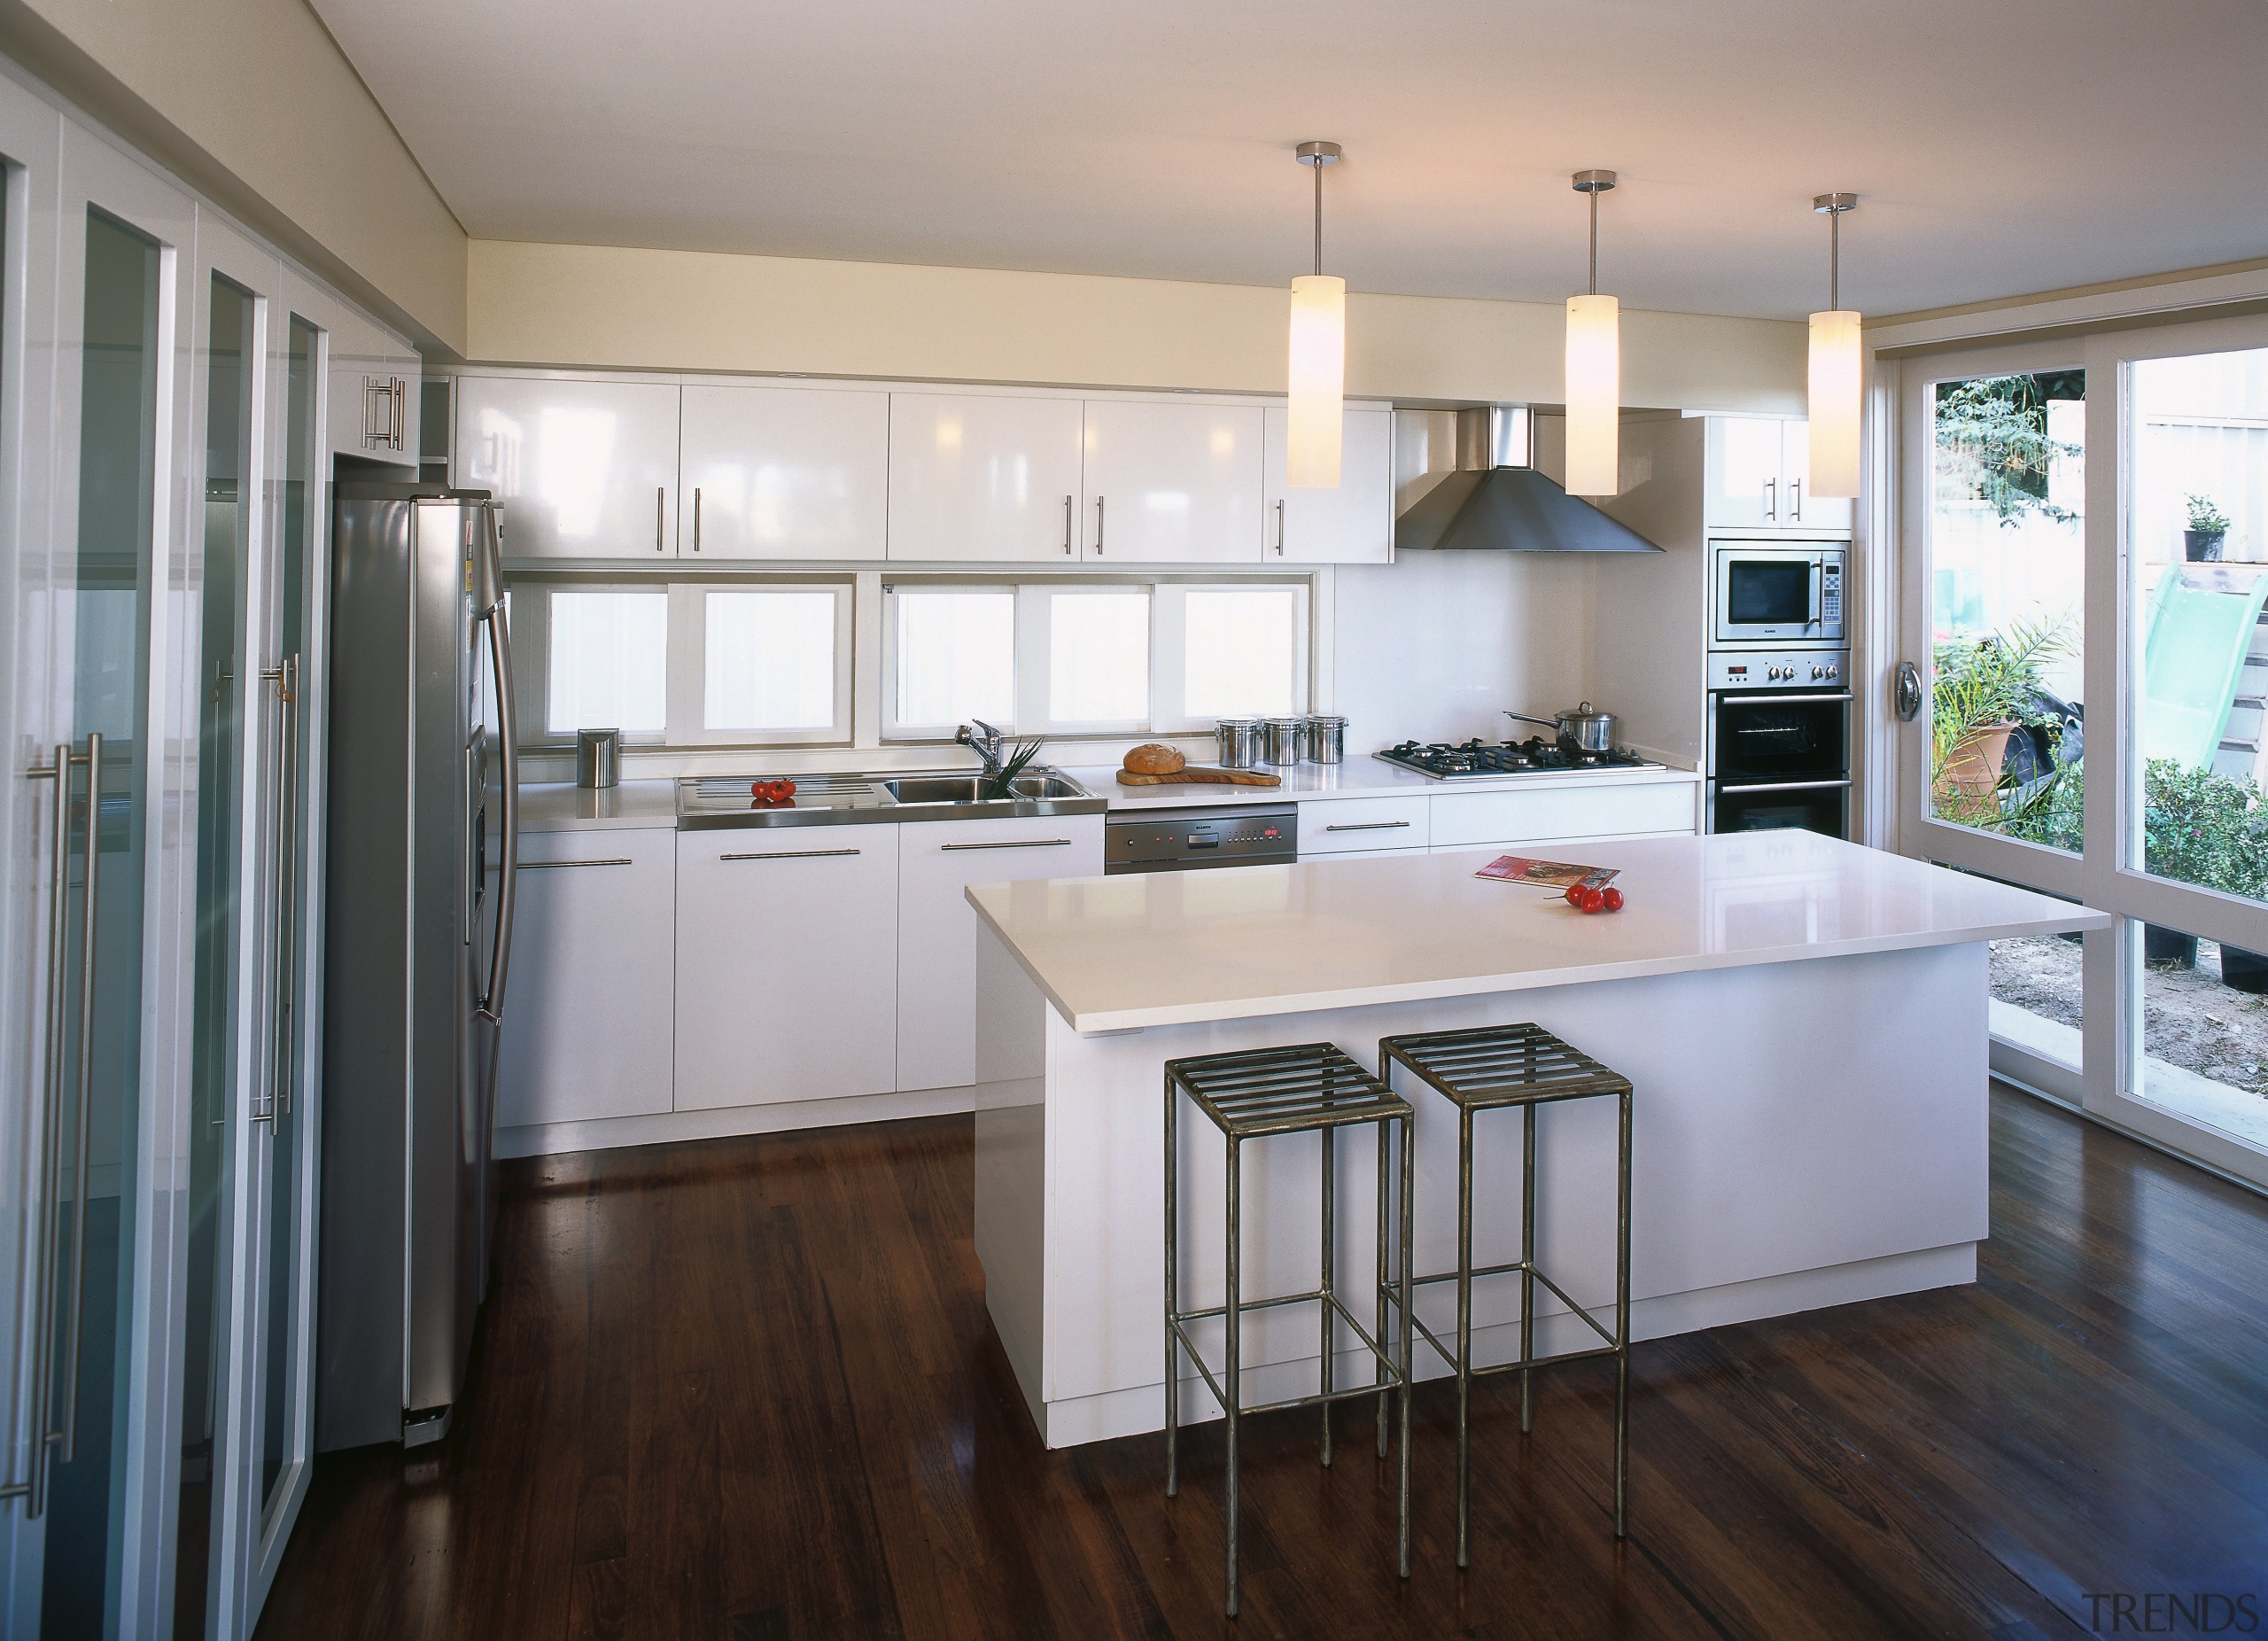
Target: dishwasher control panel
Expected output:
[1178,840]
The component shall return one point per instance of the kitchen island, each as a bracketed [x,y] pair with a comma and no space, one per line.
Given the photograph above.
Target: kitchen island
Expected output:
[1804,1021]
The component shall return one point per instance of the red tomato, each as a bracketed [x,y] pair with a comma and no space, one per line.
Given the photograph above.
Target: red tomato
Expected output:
[1575,894]
[786,788]
[1594,900]
[1613,899]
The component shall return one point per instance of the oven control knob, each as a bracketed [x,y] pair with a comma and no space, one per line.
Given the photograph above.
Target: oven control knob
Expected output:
[1819,672]
[1832,671]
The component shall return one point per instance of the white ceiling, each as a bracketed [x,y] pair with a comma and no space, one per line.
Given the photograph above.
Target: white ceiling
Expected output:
[1998,146]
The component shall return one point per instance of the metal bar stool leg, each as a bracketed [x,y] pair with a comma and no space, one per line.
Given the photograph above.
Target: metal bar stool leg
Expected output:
[1464,1329]
[1622,1329]
[1330,1271]
[1405,1294]
[1527,1267]
[1232,1381]
[1173,1290]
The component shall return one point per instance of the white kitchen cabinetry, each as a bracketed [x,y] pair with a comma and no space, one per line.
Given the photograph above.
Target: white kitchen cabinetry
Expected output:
[587,1016]
[1168,482]
[1756,477]
[782,472]
[1478,820]
[584,469]
[984,477]
[373,397]
[1364,825]
[786,964]
[936,929]
[1352,524]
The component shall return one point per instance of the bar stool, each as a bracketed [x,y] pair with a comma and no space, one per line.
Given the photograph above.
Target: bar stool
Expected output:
[1526,1066]
[1259,1094]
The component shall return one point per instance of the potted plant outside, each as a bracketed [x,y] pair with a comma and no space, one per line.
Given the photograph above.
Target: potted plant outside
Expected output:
[2208,529]
[1983,692]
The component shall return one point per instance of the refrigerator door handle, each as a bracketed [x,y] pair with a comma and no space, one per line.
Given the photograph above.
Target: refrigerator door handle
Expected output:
[508,731]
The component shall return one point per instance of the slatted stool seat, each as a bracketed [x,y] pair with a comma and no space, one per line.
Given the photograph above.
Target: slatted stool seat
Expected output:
[1485,1069]
[1258,1094]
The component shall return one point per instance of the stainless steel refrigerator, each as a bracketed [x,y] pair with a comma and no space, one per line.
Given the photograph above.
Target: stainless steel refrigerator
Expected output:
[423,823]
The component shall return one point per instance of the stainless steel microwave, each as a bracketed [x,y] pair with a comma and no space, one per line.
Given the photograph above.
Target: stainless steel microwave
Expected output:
[1777,593]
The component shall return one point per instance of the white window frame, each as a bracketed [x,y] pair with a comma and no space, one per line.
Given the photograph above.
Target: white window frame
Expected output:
[531,638]
[891,729]
[689,664]
[1169,657]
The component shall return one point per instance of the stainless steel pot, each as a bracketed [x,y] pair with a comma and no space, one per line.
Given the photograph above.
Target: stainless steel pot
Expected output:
[1579,730]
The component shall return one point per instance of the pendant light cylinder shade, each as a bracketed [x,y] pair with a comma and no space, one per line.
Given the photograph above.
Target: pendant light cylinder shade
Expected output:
[1318,382]
[1594,395]
[1836,391]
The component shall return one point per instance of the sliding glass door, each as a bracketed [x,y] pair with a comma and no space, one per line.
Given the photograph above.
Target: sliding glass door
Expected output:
[2084,557]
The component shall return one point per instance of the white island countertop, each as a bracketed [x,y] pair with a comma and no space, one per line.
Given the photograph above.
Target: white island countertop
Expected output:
[1361,776]
[1169,948]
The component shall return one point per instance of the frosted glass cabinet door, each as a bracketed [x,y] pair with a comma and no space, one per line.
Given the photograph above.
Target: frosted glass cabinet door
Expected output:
[1171,483]
[1352,524]
[584,469]
[985,478]
[784,472]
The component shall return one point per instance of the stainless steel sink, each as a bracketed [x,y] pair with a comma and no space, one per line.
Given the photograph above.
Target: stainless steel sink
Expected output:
[977,789]
[707,802]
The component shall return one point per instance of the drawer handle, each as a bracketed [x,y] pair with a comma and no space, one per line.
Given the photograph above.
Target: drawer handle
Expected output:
[791,854]
[553,866]
[1020,842]
[1366,826]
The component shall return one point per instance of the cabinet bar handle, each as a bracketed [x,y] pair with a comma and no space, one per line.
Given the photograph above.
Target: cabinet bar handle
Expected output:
[1366,826]
[553,866]
[85,1095]
[1020,842]
[696,518]
[1280,527]
[791,854]
[1098,527]
[1067,526]
[1796,490]
[661,506]
[1772,498]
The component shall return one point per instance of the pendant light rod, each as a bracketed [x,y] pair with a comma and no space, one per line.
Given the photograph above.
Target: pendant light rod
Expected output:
[1594,183]
[1832,206]
[1319,155]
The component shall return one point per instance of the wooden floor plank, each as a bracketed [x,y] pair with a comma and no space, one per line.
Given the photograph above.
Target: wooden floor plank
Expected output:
[748,1388]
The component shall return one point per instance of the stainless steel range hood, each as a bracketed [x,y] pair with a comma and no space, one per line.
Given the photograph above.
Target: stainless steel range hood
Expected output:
[1498,502]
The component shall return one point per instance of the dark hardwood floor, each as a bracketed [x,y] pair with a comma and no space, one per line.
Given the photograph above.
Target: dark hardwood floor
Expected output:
[746,1389]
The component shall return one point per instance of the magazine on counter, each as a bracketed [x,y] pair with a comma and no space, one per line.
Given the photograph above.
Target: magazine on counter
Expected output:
[1547,874]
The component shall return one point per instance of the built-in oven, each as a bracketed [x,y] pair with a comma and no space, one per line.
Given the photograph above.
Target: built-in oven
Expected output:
[1785,593]
[1779,740]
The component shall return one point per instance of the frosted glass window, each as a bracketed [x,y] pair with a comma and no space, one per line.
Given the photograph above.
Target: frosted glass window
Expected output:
[609,662]
[1099,657]
[956,657]
[1244,651]
[769,661]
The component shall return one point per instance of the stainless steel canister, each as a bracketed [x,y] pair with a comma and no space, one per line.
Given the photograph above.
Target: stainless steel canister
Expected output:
[1239,742]
[1280,738]
[1326,739]
[598,757]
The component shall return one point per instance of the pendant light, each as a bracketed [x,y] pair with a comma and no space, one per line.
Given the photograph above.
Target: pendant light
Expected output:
[1318,374]
[1593,384]
[1836,370]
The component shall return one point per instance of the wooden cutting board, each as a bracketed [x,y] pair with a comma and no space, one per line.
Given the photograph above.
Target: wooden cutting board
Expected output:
[1201,774]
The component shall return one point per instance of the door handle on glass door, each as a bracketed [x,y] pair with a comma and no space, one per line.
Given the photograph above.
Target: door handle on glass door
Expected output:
[70,1434]
[1906,695]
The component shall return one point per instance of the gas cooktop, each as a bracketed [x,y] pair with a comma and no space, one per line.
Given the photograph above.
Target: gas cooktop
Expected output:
[1532,756]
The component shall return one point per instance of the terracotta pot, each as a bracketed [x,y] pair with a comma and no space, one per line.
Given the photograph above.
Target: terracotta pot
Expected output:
[1973,768]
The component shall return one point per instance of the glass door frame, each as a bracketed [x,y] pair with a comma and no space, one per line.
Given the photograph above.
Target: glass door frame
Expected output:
[2107,873]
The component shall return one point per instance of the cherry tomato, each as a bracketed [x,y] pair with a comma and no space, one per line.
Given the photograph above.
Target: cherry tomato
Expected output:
[1575,894]
[1594,900]
[1612,899]
[786,788]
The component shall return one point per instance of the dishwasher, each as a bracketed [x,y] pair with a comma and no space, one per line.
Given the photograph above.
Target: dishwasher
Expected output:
[1181,840]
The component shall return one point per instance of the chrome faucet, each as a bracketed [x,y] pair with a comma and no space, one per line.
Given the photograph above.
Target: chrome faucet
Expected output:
[981,738]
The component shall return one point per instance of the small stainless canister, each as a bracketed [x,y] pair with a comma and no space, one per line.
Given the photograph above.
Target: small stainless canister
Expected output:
[598,757]
[1326,739]
[1280,738]
[1238,740]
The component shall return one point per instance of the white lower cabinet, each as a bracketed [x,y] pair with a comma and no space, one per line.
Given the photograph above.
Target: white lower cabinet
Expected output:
[786,964]
[1349,825]
[1475,820]
[937,927]
[587,1015]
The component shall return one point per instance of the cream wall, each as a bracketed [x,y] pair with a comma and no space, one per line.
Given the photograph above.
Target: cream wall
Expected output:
[678,311]
[251,102]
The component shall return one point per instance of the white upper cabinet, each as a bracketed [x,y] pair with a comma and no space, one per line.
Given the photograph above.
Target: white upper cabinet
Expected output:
[584,469]
[374,391]
[1756,477]
[982,476]
[1171,482]
[783,473]
[1352,524]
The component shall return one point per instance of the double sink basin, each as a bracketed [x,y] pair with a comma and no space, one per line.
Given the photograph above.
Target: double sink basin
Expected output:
[709,802]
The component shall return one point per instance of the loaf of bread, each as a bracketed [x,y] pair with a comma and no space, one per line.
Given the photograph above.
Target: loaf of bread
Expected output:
[1155,757]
